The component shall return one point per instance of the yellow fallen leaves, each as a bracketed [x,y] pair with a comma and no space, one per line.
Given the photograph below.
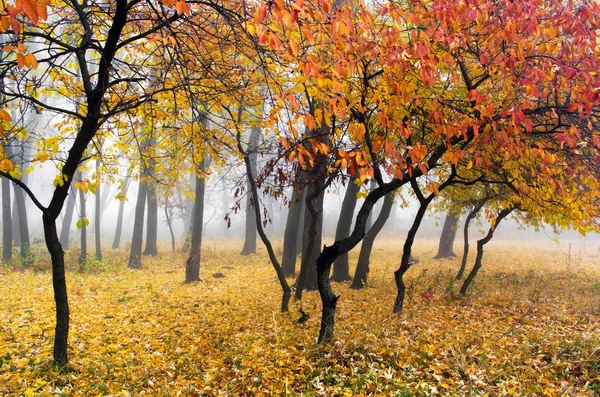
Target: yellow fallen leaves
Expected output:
[530,327]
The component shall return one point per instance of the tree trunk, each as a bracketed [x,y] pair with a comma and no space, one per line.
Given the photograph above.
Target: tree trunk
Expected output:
[287,291]
[470,217]
[119,229]
[16,235]
[135,255]
[65,227]
[302,215]
[169,223]
[445,249]
[152,220]
[82,216]
[192,265]
[405,262]
[97,216]
[250,235]
[480,243]
[26,258]
[341,270]
[59,283]
[312,237]
[362,268]
[6,222]
[292,230]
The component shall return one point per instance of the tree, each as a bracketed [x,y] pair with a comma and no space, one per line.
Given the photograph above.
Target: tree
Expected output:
[446,247]
[122,198]
[432,63]
[90,34]
[292,231]
[340,267]
[250,234]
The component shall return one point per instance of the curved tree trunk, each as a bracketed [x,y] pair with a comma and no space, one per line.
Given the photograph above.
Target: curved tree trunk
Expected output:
[480,244]
[119,229]
[446,249]
[192,265]
[135,255]
[250,235]
[405,262]
[292,230]
[82,219]
[341,270]
[470,217]
[287,291]
[67,222]
[362,268]
[6,222]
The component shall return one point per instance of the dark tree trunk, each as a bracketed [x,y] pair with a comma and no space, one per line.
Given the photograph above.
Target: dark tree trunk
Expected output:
[152,220]
[119,229]
[287,291]
[61,331]
[341,271]
[250,235]
[446,249]
[480,244]
[65,227]
[6,222]
[26,258]
[302,215]
[470,217]
[135,255]
[97,216]
[82,219]
[192,266]
[312,237]
[292,230]
[188,211]
[405,262]
[362,268]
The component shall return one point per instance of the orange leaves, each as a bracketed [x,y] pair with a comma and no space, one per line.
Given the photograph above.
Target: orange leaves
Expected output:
[35,10]
[5,116]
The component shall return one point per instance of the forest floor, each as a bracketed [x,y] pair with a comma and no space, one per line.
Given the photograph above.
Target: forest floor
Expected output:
[530,326]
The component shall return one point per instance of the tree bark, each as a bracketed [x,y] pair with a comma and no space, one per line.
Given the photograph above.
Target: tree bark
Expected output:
[470,217]
[16,235]
[292,230]
[446,249]
[83,230]
[405,262]
[287,291]
[119,229]
[311,243]
[65,228]
[169,223]
[341,271]
[26,258]
[6,222]
[192,265]
[97,216]
[480,244]
[362,268]
[152,220]
[250,235]
[59,284]
[135,255]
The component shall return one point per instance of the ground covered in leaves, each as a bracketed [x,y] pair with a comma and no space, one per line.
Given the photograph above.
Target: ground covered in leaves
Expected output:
[529,327]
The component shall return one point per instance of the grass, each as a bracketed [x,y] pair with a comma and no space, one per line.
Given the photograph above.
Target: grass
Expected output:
[529,327]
